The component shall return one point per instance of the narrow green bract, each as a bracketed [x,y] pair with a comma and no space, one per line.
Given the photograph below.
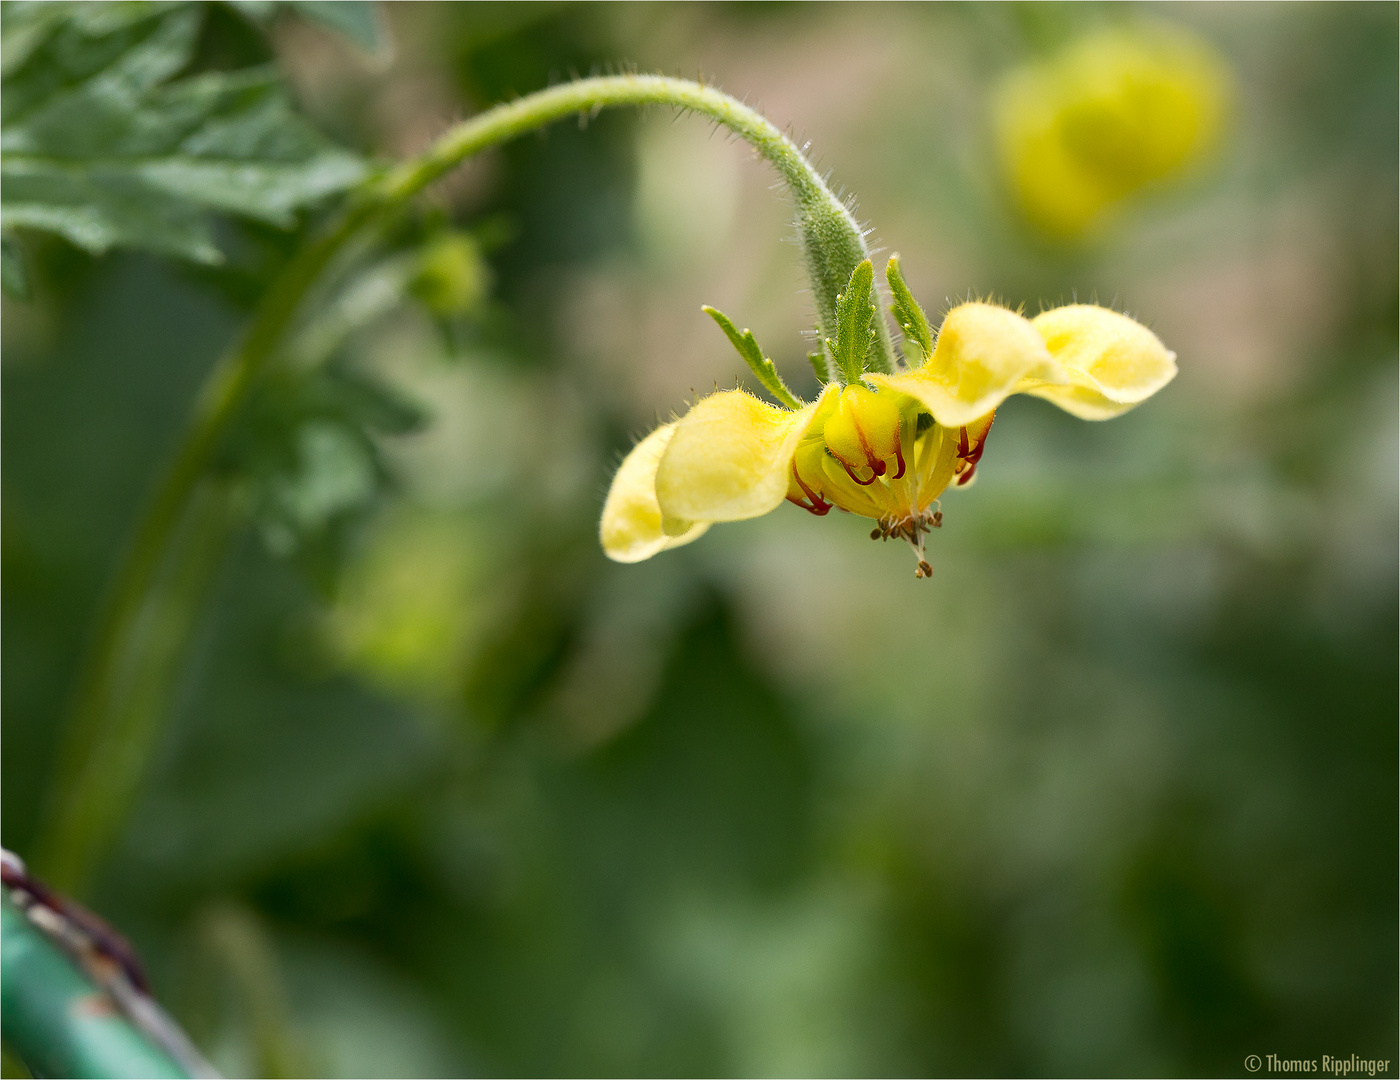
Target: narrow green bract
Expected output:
[854,316]
[761,366]
[910,316]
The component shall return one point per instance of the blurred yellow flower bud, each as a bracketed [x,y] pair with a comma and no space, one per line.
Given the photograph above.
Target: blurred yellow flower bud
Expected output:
[1115,112]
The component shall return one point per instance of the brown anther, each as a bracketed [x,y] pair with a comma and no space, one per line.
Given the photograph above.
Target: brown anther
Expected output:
[924,570]
[877,467]
[876,534]
[899,457]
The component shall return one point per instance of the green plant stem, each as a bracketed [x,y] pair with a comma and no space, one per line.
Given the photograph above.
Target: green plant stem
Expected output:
[124,699]
[112,731]
[833,243]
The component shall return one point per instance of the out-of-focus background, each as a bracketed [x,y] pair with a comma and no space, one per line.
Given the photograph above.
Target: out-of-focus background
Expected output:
[445,792]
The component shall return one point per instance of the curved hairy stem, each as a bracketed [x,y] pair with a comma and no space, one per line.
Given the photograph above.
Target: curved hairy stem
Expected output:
[832,242]
[131,662]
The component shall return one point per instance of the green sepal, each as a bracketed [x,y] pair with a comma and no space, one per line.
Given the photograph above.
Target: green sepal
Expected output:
[820,367]
[854,315]
[908,314]
[762,367]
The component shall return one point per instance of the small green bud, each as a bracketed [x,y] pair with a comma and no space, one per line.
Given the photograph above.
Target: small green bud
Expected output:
[453,278]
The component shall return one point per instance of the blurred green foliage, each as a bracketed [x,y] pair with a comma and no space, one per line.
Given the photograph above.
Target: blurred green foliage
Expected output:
[444,792]
[101,148]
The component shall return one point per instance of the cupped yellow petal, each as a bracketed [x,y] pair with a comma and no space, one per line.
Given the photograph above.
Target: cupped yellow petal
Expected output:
[864,428]
[731,457]
[1113,363]
[632,527]
[983,354]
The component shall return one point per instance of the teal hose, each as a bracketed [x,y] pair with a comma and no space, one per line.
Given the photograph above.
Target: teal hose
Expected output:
[56,1021]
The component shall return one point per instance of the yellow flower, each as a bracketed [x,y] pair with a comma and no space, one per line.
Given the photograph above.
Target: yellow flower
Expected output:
[887,447]
[1116,111]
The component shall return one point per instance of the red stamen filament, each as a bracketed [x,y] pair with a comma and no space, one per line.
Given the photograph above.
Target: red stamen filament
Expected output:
[876,465]
[857,479]
[970,454]
[820,507]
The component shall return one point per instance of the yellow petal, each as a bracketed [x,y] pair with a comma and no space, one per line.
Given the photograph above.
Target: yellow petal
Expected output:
[1113,363]
[864,428]
[632,528]
[731,457]
[982,355]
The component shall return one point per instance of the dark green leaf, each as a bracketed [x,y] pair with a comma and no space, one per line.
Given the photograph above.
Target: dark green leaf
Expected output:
[306,454]
[12,276]
[52,47]
[261,12]
[854,315]
[357,20]
[25,27]
[99,148]
[761,366]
